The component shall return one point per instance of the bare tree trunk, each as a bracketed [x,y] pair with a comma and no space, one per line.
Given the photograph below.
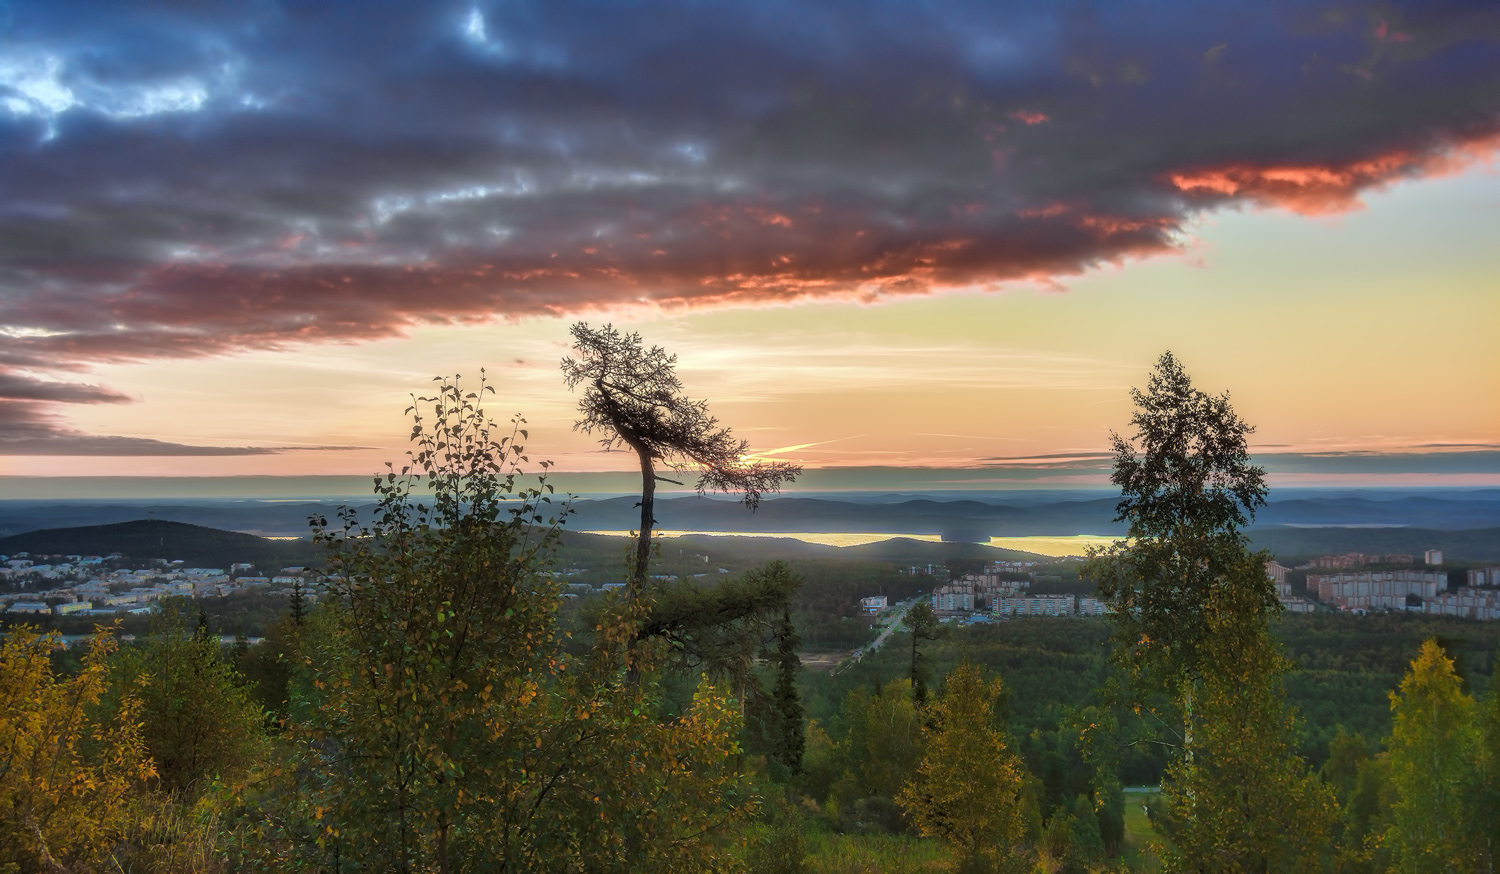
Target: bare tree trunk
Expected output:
[638,573]
[1187,737]
[635,589]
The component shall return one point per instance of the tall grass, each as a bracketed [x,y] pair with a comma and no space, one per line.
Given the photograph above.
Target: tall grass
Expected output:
[830,853]
[171,837]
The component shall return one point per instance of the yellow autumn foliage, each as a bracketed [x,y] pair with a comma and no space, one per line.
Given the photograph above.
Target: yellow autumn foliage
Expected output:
[968,787]
[66,770]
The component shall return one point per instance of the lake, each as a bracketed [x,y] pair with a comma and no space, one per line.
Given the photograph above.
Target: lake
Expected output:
[1055,546]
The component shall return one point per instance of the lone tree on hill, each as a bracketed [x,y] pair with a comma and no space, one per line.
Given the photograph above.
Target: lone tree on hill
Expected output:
[1187,489]
[632,397]
[1192,608]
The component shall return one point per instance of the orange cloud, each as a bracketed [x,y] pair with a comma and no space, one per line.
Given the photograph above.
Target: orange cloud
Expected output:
[1029,117]
[1321,189]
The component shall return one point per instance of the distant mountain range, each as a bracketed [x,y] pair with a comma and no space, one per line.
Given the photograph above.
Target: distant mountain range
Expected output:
[147,539]
[197,545]
[1299,520]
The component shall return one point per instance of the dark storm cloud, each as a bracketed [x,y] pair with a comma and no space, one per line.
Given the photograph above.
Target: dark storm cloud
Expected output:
[193,179]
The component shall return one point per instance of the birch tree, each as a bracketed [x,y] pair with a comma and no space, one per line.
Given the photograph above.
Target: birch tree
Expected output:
[439,724]
[1187,489]
[67,766]
[1191,606]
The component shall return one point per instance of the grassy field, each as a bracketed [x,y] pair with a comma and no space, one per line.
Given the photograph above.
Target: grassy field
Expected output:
[1138,832]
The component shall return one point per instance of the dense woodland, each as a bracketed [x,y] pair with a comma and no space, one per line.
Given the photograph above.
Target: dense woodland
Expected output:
[235,724]
[443,708]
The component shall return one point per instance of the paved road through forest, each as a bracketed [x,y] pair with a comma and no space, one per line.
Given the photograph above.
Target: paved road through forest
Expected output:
[879,640]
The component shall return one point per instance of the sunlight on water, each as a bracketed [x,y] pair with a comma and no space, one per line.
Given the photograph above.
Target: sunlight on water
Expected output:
[1059,545]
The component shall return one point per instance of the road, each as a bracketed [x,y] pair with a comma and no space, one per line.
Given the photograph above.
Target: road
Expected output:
[880,639]
[890,628]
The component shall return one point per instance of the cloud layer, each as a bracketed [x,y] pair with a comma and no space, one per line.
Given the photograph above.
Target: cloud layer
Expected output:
[256,175]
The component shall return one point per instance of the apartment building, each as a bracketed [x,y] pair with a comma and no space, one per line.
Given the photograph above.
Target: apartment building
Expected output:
[1376,590]
[1469,603]
[1484,576]
[1360,559]
[1036,605]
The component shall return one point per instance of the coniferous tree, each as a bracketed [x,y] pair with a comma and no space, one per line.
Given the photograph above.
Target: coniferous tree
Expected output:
[967,789]
[724,631]
[298,601]
[790,740]
[923,624]
[198,719]
[633,398]
[1434,745]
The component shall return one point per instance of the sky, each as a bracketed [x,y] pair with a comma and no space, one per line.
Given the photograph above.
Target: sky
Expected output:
[236,238]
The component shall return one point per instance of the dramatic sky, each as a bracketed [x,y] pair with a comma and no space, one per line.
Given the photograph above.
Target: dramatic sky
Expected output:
[234,237]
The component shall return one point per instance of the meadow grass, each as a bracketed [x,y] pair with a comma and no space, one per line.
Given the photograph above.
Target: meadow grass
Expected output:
[830,853]
[1138,833]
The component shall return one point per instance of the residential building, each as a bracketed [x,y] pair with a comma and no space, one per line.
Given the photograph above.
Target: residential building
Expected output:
[976,591]
[1376,590]
[1035,605]
[1470,603]
[1484,576]
[953,599]
[1359,559]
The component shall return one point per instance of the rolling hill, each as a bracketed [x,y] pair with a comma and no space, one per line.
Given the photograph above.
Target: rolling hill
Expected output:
[146,539]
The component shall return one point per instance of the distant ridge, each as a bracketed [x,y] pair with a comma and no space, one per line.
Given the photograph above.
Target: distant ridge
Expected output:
[953,513]
[1474,545]
[145,539]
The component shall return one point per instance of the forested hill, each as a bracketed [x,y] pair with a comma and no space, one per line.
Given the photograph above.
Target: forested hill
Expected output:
[1367,517]
[145,539]
[1297,544]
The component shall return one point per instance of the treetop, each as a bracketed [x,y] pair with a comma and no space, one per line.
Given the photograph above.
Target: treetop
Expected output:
[1188,465]
[633,398]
